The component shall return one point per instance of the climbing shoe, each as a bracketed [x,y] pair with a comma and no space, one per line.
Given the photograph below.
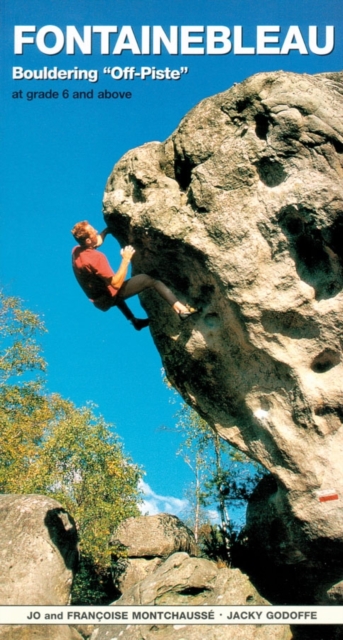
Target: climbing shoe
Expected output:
[140,323]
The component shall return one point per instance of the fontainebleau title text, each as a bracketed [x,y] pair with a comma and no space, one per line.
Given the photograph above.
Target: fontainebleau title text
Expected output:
[176,40]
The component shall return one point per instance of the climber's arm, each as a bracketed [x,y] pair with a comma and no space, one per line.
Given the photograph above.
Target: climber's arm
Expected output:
[102,236]
[118,279]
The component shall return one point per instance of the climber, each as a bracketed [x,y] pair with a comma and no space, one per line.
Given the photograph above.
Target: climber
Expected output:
[107,289]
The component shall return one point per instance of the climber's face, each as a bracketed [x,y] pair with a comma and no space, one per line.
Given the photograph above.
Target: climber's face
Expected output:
[92,239]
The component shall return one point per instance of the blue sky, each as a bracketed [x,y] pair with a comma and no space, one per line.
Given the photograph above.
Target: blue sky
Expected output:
[57,156]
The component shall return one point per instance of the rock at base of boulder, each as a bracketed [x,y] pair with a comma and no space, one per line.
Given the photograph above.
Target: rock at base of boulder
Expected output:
[151,536]
[199,632]
[38,632]
[182,580]
[136,570]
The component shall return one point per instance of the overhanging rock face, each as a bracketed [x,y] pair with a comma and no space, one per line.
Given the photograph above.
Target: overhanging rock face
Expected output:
[240,212]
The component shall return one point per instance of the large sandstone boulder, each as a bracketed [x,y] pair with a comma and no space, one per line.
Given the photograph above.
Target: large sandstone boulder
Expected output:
[154,536]
[38,550]
[182,580]
[240,212]
[148,539]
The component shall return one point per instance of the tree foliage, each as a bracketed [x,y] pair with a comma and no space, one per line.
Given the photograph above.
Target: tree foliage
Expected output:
[224,478]
[49,446]
[19,351]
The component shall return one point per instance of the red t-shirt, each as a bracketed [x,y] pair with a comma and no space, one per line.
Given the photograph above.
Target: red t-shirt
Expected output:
[90,268]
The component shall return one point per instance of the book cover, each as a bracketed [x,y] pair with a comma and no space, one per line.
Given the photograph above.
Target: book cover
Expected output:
[84,84]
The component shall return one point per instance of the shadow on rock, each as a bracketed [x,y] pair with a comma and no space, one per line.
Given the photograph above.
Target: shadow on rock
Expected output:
[62,530]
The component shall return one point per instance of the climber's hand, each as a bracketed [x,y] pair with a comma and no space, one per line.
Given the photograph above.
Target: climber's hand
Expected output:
[127,253]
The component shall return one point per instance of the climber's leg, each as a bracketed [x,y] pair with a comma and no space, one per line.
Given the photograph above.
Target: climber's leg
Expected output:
[139,283]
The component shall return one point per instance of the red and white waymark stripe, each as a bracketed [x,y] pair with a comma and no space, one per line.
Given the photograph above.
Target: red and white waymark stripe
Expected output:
[327,494]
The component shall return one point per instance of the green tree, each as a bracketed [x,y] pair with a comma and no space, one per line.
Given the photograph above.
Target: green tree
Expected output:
[49,446]
[196,438]
[224,478]
[23,408]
